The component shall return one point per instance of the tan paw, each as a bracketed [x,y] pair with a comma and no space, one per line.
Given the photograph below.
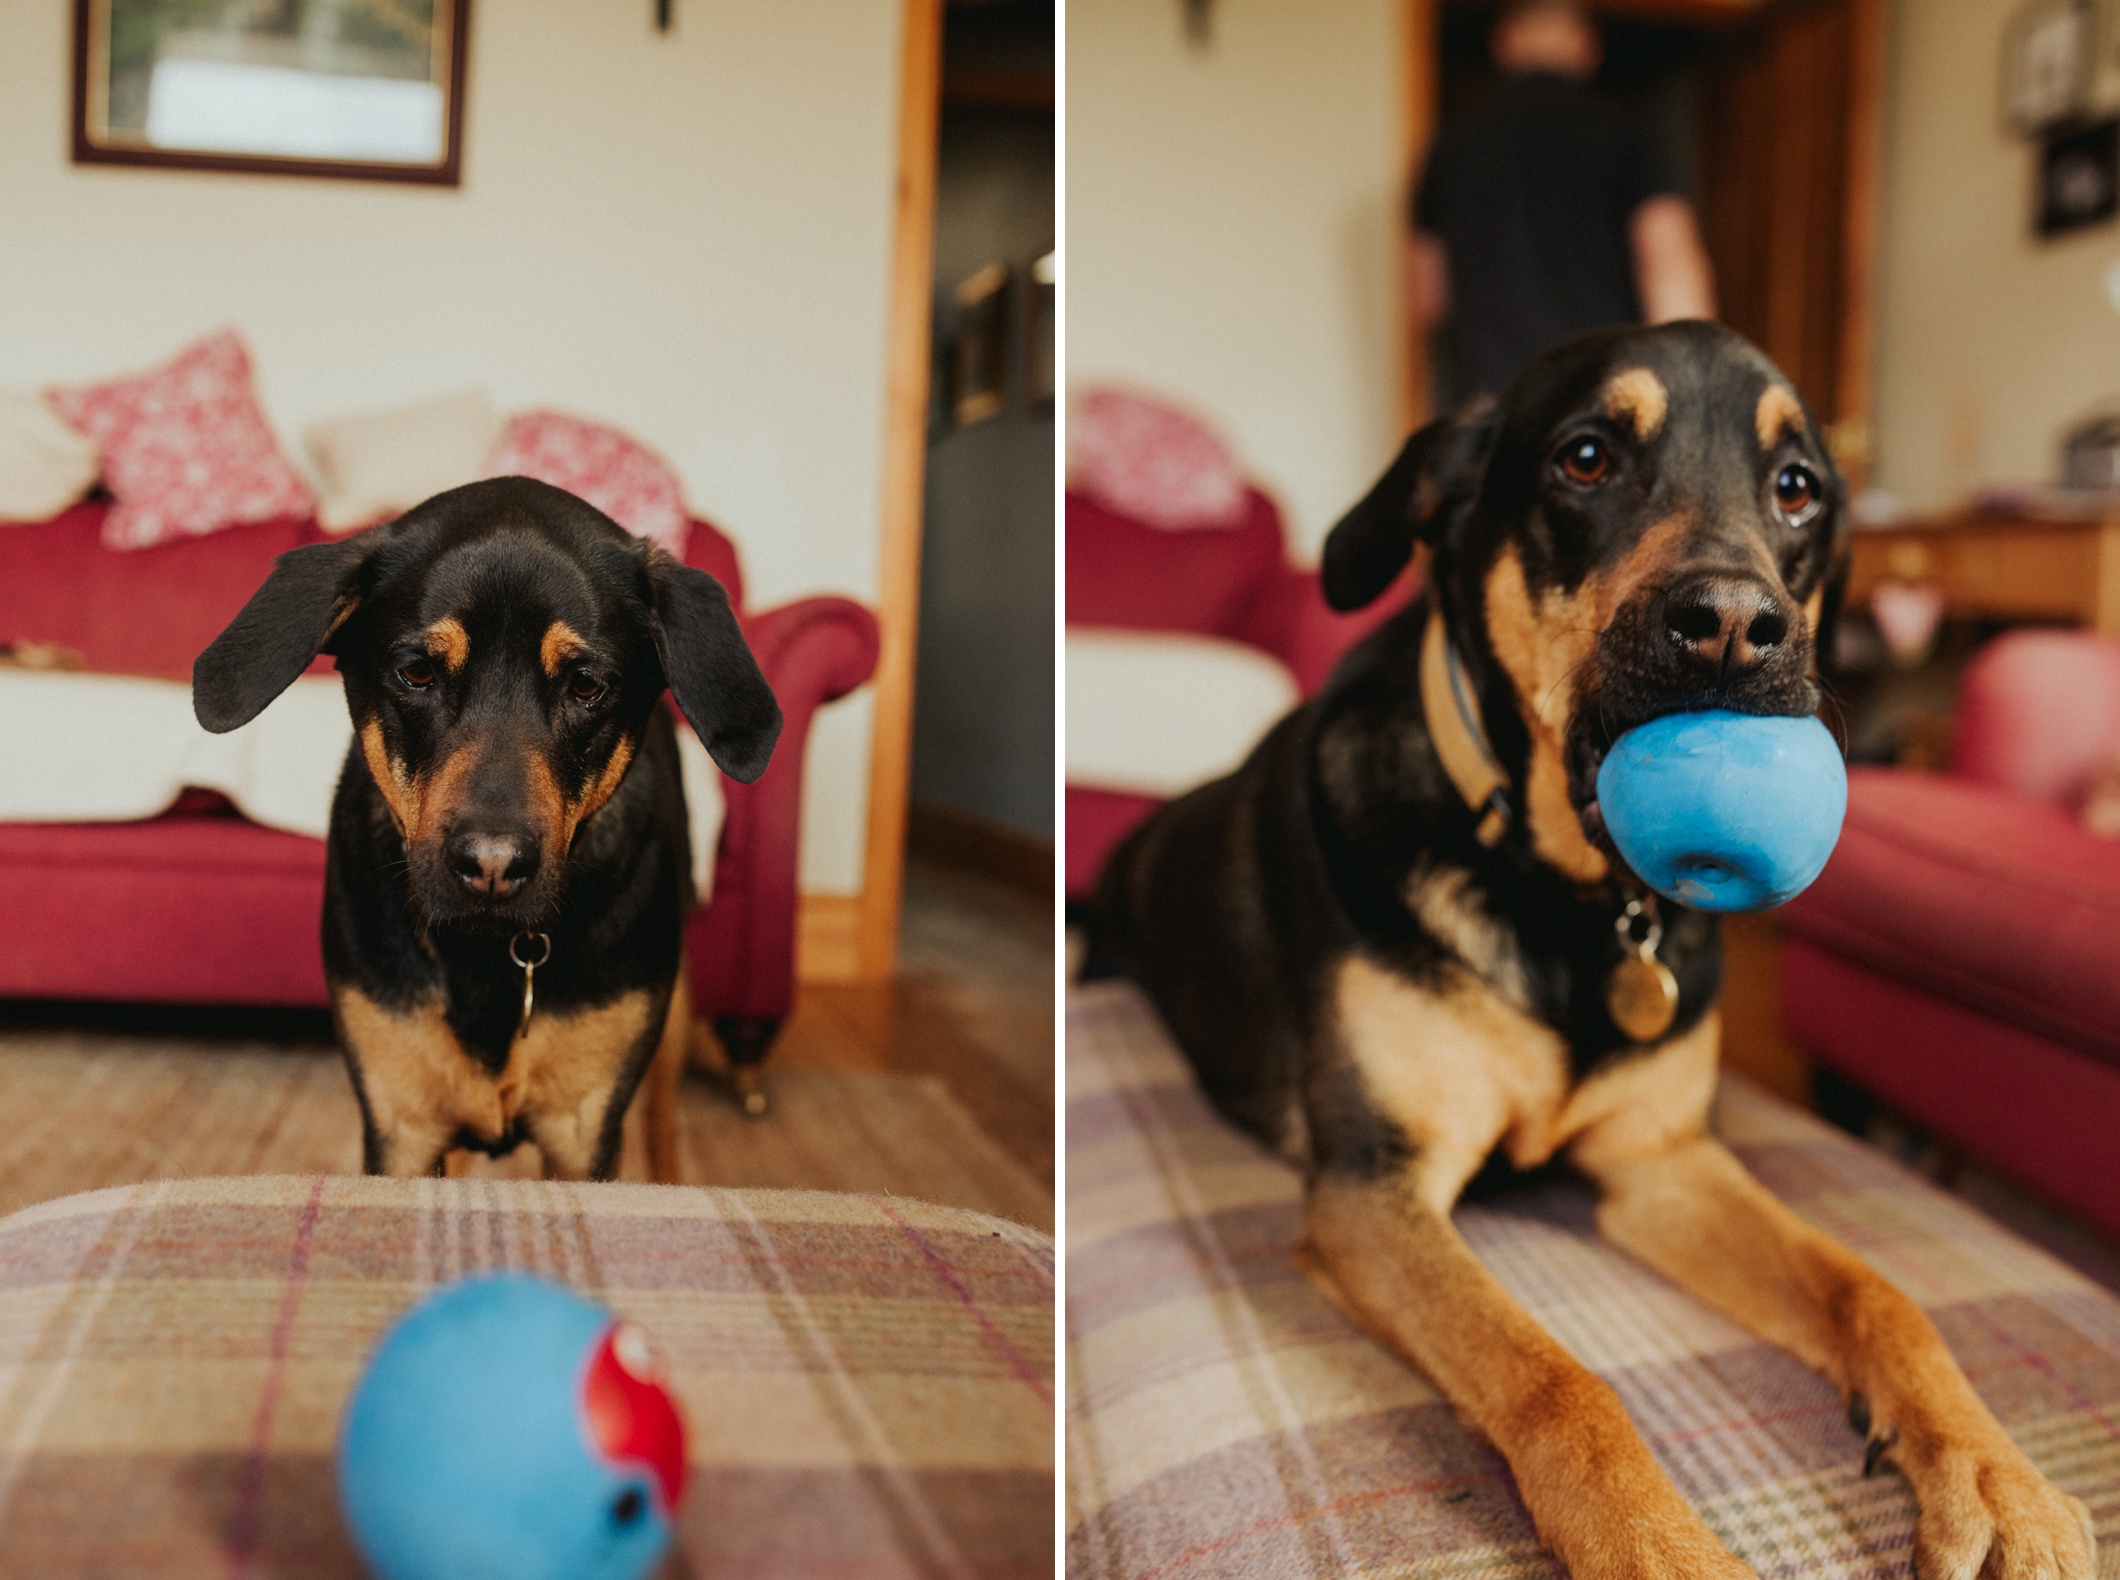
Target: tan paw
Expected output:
[1988,1512]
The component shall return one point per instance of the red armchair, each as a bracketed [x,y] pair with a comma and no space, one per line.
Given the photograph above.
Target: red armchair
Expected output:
[200,906]
[1960,955]
[1234,582]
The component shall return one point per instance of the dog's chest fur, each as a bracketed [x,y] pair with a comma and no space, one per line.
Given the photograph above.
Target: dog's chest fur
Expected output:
[438,1012]
[1355,977]
[1461,1073]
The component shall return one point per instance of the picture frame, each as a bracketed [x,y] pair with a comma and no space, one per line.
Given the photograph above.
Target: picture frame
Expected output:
[2079,178]
[362,90]
[2049,59]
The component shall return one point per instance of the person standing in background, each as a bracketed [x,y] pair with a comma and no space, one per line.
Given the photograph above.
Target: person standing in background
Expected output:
[1549,212]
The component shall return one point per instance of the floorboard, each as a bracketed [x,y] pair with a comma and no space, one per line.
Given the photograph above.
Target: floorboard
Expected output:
[938,1085]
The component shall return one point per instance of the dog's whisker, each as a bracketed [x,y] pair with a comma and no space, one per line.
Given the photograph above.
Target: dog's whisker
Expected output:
[1567,675]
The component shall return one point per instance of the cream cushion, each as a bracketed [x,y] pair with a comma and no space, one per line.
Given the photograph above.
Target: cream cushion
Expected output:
[380,464]
[1155,713]
[89,748]
[45,463]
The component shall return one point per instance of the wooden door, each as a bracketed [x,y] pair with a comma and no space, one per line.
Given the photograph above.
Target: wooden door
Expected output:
[1791,131]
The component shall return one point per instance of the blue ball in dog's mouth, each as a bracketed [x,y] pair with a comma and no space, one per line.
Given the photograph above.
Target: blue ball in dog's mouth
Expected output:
[1725,811]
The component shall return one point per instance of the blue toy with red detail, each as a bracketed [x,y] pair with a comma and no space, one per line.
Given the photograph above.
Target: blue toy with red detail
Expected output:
[506,1427]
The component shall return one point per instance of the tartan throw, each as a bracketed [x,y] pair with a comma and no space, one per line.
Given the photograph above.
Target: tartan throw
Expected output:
[1224,1420]
[866,1381]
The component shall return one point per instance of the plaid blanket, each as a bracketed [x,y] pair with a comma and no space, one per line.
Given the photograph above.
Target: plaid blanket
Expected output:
[1224,1420]
[867,1381]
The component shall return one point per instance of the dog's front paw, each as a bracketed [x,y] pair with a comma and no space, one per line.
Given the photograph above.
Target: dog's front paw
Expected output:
[1987,1511]
[1699,1556]
[1646,1542]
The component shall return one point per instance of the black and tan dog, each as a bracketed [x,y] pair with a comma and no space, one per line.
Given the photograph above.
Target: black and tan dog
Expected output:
[1397,944]
[509,869]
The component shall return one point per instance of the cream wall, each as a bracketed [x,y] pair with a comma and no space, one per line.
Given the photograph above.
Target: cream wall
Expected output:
[1232,221]
[688,235]
[1990,341]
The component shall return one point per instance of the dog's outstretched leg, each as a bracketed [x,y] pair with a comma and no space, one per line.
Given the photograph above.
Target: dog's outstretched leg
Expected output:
[1687,1207]
[1599,1499]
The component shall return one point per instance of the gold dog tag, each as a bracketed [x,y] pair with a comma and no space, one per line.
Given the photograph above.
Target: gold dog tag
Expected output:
[542,942]
[1642,997]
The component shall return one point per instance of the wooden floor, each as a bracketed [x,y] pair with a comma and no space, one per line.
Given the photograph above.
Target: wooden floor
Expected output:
[1754,1041]
[972,1007]
[937,1086]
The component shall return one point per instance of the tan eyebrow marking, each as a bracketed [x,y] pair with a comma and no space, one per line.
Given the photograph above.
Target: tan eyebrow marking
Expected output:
[1640,397]
[448,641]
[1778,411]
[400,792]
[561,643]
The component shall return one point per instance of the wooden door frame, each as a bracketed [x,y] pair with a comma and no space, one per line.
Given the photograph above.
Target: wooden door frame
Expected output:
[854,938]
[1420,69]
[1851,428]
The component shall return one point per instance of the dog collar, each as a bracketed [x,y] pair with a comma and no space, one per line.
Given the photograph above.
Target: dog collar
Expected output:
[1460,739]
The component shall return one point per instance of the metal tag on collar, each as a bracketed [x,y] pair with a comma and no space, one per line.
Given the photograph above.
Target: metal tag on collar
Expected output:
[542,943]
[1641,995]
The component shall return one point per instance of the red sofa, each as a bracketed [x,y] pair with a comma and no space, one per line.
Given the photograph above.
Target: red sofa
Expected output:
[200,906]
[1234,582]
[1959,958]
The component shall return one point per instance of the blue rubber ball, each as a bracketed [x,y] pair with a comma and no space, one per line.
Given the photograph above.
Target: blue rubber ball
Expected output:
[466,1451]
[1725,811]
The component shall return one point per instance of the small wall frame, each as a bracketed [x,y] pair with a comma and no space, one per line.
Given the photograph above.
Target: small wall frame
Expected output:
[365,90]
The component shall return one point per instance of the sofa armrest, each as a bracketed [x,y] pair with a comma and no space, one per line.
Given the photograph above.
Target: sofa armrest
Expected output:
[1291,620]
[2039,713]
[812,651]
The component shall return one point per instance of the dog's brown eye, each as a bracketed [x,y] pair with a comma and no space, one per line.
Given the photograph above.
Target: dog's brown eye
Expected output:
[1585,460]
[1795,490]
[417,673]
[584,687]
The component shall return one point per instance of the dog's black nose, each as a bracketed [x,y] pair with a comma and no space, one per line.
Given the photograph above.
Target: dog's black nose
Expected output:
[489,863]
[1731,624]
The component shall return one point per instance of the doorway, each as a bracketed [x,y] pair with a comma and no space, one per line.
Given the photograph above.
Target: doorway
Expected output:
[1772,112]
[982,769]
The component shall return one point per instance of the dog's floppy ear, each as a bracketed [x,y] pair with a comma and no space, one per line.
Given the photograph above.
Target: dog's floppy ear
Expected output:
[274,637]
[710,669]
[1436,472]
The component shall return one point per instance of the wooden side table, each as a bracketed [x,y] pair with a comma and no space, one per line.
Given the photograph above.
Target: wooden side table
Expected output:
[2000,567]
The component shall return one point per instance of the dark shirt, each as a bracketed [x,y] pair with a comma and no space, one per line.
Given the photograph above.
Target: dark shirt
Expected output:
[1531,196]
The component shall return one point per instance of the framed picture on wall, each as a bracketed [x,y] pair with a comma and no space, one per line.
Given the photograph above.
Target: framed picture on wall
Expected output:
[2047,64]
[2079,178]
[360,89]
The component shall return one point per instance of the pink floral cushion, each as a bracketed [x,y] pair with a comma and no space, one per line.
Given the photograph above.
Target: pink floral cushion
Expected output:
[612,470]
[1153,461]
[186,451]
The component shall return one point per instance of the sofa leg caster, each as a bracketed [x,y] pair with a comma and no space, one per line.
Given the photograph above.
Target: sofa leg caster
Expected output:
[750,1089]
[746,1039]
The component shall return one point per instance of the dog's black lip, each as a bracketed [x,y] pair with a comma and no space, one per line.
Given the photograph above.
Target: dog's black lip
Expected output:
[499,921]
